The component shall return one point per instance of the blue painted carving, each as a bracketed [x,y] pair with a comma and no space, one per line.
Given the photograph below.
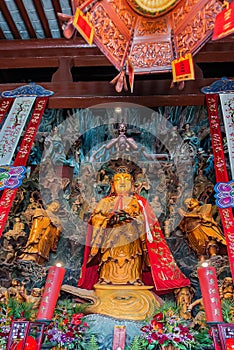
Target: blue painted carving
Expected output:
[219,86]
[28,90]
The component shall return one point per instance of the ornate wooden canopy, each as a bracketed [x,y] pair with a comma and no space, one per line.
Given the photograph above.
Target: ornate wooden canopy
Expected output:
[33,48]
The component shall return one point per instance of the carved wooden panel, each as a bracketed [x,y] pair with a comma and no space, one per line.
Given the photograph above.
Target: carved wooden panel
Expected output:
[113,29]
[194,28]
[151,46]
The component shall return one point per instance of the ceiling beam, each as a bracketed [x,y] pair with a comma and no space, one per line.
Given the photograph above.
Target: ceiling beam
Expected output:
[151,93]
[46,52]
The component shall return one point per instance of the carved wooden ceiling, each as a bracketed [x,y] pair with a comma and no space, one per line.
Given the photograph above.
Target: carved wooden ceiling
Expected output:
[33,48]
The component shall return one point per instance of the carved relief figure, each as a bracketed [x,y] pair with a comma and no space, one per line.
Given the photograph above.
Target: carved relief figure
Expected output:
[13,241]
[226,289]
[200,228]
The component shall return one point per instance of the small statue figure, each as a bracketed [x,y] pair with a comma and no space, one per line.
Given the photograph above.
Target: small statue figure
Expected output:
[44,234]
[187,132]
[141,184]
[33,205]
[200,227]
[184,298]
[34,297]
[3,294]
[16,291]
[8,251]
[200,317]
[202,186]
[226,289]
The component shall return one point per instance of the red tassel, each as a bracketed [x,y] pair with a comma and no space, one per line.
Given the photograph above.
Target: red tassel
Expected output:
[67,25]
[120,82]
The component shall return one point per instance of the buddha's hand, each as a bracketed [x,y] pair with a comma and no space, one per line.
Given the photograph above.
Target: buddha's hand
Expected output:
[119,217]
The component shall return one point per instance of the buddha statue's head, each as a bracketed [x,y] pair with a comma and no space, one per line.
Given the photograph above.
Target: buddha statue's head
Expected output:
[122,183]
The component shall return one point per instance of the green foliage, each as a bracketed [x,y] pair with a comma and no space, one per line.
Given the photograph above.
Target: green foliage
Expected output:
[69,308]
[20,310]
[138,343]
[203,339]
[228,310]
[92,344]
[168,307]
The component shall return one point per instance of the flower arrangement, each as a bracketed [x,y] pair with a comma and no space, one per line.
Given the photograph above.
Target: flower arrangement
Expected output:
[10,311]
[168,331]
[68,330]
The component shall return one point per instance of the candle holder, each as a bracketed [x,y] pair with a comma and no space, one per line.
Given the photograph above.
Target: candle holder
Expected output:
[25,333]
[215,336]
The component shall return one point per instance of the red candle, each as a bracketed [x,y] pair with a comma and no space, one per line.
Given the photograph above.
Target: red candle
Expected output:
[51,292]
[210,293]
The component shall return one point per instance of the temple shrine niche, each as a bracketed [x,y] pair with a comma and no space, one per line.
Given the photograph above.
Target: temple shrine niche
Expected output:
[116,220]
[166,155]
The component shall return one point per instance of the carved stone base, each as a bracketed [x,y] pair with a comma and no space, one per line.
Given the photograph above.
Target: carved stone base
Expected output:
[122,302]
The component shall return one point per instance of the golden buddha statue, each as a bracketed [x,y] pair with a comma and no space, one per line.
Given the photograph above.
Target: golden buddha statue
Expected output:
[125,244]
[44,234]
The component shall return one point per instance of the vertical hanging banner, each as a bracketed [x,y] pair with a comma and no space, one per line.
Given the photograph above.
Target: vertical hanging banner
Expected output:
[224,22]
[227,104]
[5,104]
[13,127]
[32,94]
[212,100]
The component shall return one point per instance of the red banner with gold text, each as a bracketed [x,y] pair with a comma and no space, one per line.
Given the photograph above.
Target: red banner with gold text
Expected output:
[4,106]
[8,195]
[221,172]
[224,23]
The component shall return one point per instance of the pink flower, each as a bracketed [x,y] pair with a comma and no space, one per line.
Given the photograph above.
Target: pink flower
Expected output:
[177,340]
[65,321]
[158,317]
[80,315]
[163,339]
[76,319]
[75,322]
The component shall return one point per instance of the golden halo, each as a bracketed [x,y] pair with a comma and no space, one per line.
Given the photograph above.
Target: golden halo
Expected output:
[152,8]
